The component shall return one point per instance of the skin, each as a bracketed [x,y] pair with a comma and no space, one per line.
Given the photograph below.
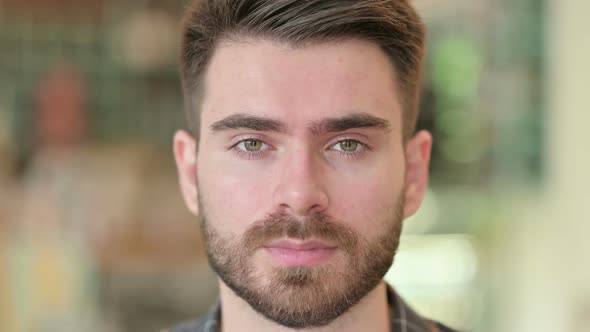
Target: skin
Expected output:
[354,176]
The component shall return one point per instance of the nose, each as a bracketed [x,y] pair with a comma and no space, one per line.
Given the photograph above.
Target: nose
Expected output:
[299,191]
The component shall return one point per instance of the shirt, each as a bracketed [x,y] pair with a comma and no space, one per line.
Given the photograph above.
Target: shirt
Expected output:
[403,319]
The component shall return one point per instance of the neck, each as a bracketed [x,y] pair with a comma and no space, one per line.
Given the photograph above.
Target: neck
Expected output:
[370,314]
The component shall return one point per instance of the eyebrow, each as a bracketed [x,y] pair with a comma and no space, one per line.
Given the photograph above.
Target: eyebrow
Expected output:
[349,121]
[246,121]
[329,125]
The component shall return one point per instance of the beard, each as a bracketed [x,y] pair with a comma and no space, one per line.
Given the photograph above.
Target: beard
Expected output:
[303,297]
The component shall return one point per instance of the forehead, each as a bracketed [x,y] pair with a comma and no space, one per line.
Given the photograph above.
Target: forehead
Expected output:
[299,85]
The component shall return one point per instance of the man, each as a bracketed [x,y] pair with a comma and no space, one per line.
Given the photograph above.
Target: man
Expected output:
[302,161]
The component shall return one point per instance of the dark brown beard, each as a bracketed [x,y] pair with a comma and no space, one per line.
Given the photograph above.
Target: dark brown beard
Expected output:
[303,297]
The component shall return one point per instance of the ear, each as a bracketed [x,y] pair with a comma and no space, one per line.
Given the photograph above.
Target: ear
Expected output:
[418,150]
[186,163]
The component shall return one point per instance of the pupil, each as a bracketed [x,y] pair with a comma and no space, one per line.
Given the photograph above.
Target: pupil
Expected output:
[348,145]
[253,144]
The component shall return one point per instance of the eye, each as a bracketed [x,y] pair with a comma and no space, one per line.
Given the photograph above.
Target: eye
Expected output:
[251,148]
[349,146]
[251,145]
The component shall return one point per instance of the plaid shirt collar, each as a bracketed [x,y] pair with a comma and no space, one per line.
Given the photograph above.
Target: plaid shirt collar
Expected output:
[403,319]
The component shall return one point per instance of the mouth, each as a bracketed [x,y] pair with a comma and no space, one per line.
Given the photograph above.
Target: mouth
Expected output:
[293,253]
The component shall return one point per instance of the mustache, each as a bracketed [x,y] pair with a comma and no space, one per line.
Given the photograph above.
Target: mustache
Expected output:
[318,226]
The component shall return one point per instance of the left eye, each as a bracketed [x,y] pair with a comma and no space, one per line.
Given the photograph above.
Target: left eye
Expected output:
[348,146]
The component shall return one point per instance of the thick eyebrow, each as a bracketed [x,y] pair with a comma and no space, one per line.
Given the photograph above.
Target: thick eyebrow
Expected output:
[329,125]
[246,121]
[349,121]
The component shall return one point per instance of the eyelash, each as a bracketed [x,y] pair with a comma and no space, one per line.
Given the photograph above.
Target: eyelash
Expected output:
[256,155]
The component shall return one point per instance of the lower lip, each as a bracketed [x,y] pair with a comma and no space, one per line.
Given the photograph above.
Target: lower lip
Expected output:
[302,258]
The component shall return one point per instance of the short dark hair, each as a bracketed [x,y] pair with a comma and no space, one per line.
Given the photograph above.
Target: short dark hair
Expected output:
[392,24]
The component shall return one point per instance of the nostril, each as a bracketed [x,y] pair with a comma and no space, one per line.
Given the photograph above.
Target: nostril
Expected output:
[283,208]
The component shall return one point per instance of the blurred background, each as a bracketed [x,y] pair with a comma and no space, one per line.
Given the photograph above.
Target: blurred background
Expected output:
[94,235]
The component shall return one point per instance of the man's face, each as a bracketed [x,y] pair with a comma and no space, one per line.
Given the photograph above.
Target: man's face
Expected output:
[302,176]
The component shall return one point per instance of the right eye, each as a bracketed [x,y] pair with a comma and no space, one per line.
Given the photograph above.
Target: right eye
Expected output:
[250,148]
[251,145]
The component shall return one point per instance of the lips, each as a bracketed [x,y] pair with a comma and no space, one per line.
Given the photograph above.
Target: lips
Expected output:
[294,245]
[300,254]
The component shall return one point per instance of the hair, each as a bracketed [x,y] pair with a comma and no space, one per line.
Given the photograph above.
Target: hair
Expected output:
[394,25]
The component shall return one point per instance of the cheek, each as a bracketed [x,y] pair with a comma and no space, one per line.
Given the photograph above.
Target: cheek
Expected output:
[233,199]
[365,198]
